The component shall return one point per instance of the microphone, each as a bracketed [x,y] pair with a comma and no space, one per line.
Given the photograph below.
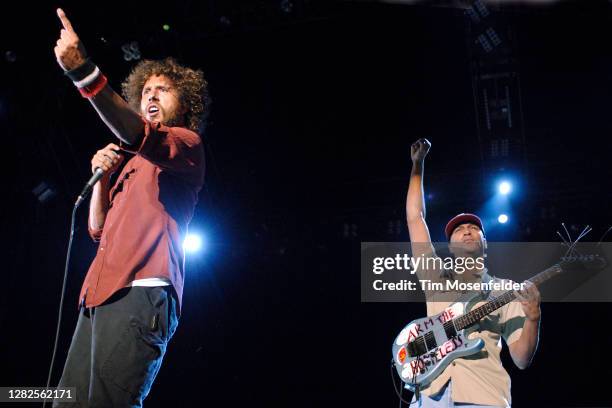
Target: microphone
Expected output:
[98,173]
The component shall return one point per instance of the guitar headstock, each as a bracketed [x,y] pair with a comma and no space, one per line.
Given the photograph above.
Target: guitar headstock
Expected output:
[577,262]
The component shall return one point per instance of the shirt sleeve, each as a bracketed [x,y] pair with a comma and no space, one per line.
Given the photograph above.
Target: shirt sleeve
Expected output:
[95,234]
[430,269]
[512,322]
[177,150]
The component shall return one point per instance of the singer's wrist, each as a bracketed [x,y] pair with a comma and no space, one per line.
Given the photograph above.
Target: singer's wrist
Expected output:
[88,78]
[104,182]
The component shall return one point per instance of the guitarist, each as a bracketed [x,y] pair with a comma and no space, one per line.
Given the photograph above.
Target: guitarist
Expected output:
[479,380]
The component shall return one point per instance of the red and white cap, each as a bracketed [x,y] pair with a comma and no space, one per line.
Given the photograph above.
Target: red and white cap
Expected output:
[459,219]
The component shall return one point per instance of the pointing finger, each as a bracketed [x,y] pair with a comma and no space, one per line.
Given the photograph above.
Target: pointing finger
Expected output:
[64,20]
[65,34]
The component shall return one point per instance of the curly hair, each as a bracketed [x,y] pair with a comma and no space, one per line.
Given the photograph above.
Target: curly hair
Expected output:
[191,85]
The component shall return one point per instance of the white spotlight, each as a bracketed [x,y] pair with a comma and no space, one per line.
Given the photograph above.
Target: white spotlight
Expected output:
[502,219]
[505,187]
[192,243]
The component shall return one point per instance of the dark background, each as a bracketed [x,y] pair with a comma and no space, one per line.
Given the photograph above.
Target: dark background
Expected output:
[307,150]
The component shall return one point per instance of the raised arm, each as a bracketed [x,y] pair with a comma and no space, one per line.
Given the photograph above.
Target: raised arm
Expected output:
[415,201]
[122,120]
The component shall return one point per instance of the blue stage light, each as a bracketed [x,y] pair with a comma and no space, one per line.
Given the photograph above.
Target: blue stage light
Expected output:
[192,243]
[504,188]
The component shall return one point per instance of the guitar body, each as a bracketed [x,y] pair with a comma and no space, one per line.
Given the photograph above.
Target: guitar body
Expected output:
[425,347]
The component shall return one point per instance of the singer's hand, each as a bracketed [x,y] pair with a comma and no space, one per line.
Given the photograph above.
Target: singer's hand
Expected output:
[108,159]
[69,50]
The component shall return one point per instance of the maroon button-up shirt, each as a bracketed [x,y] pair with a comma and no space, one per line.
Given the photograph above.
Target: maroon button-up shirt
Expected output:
[151,205]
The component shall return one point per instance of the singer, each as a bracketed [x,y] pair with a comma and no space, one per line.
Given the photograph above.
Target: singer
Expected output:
[131,298]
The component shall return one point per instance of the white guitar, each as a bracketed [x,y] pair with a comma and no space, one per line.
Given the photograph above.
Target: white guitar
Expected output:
[425,347]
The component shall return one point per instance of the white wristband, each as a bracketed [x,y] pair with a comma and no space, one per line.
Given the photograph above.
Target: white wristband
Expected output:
[88,79]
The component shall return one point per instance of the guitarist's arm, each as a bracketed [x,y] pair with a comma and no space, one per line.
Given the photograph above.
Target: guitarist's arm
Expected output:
[420,239]
[523,350]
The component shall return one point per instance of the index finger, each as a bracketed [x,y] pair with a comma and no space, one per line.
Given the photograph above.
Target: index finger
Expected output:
[64,20]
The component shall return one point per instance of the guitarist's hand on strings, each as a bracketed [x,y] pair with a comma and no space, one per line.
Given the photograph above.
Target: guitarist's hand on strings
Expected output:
[530,300]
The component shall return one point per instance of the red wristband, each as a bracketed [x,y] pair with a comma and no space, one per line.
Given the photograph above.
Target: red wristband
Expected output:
[95,87]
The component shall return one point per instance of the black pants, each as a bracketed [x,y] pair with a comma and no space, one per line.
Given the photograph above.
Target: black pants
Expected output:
[118,347]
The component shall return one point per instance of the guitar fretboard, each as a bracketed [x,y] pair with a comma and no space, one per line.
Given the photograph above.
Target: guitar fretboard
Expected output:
[475,315]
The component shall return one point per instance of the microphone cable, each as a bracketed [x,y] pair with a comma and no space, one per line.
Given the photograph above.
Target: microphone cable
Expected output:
[398,392]
[61,305]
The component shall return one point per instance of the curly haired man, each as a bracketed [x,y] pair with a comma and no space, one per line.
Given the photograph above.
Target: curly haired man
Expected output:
[131,298]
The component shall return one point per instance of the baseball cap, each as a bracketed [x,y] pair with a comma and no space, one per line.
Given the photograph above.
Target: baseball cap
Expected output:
[459,219]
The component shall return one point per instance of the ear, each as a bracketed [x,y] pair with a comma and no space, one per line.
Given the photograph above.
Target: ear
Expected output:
[484,247]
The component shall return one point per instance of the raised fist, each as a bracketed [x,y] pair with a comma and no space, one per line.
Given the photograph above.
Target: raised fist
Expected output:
[419,150]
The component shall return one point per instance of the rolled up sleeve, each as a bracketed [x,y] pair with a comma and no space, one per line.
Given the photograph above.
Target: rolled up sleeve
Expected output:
[513,319]
[95,234]
[174,149]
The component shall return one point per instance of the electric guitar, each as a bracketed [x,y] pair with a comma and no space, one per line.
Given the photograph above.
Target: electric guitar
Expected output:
[425,347]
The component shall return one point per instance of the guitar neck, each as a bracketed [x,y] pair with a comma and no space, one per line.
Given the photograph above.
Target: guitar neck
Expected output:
[475,315]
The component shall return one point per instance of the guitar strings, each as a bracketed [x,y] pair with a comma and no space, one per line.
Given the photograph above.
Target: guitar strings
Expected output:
[604,235]
[480,312]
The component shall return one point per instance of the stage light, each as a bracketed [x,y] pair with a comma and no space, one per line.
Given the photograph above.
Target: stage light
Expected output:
[484,43]
[131,51]
[10,56]
[286,6]
[166,27]
[504,188]
[192,243]
[44,192]
[502,219]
